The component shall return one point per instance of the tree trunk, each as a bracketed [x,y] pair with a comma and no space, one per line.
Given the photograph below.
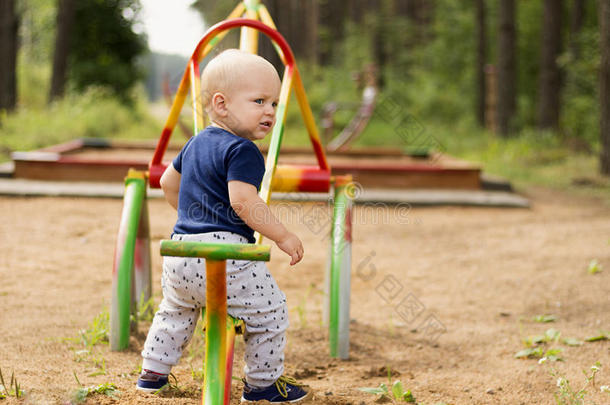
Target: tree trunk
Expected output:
[481,60]
[604,85]
[549,85]
[356,10]
[297,29]
[65,18]
[266,48]
[576,23]
[420,14]
[309,19]
[9,24]
[332,17]
[380,37]
[507,66]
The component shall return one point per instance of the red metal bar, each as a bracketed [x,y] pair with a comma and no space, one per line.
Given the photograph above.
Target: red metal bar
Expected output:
[198,55]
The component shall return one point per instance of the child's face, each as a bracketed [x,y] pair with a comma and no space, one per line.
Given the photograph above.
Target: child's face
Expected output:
[252,104]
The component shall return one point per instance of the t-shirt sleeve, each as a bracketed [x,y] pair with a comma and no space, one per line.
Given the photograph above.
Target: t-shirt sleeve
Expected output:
[246,164]
[177,162]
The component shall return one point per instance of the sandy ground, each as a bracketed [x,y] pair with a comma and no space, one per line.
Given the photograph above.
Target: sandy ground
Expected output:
[443,297]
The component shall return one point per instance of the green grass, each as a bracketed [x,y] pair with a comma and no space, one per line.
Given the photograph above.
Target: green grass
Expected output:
[86,343]
[93,114]
[13,389]
[391,392]
[81,394]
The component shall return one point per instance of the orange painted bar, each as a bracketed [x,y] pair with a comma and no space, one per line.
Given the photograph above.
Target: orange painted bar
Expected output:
[229,362]
[299,91]
[216,332]
[292,178]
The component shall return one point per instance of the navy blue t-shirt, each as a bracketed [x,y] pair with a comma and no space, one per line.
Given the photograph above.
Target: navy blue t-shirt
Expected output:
[207,163]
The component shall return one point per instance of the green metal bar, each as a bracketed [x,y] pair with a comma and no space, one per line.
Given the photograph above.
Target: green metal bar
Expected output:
[142,265]
[338,244]
[214,382]
[135,191]
[216,251]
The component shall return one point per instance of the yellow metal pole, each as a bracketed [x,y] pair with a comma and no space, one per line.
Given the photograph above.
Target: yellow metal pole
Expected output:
[198,121]
[266,19]
[308,118]
[237,12]
[276,137]
[248,40]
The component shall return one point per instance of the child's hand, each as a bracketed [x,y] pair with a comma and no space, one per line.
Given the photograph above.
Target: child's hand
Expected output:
[291,244]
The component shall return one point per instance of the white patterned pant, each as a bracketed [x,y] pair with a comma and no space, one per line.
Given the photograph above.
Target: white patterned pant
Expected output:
[252,295]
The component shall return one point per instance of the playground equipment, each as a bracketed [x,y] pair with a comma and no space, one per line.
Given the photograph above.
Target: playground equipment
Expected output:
[220,329]
[131,255]
[108,160]
[354,129]
[131,272]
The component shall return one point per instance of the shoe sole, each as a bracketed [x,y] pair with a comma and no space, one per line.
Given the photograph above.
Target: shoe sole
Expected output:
[264,401]
[148,390]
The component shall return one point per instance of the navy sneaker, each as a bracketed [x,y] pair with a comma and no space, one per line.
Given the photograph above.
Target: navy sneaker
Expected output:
[285,389]
[149,381]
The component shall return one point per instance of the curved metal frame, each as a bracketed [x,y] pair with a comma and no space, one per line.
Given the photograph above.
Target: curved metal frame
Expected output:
[131,272]
[291,79]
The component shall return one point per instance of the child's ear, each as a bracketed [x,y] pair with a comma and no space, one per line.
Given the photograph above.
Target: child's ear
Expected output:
[219,104]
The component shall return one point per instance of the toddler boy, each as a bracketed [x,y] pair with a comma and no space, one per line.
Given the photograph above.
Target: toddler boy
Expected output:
[213,184]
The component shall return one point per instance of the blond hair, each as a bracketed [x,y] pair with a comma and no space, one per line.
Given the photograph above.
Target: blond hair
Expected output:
[225,72]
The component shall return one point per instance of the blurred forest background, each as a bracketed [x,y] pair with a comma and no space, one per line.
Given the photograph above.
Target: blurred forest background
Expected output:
[520,86]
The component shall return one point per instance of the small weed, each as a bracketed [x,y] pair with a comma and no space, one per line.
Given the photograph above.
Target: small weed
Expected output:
[530,353]
[544,318]
[603,335]
[594,267]
[552,355]
[533,350]
[566,395]
[96,333]
[550,336]
[11,390]
[146,309]
[100,364]
[172,389]
[302,307]
[81,394]
[572,341]
[197,374]
[539,353]
[396,393]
